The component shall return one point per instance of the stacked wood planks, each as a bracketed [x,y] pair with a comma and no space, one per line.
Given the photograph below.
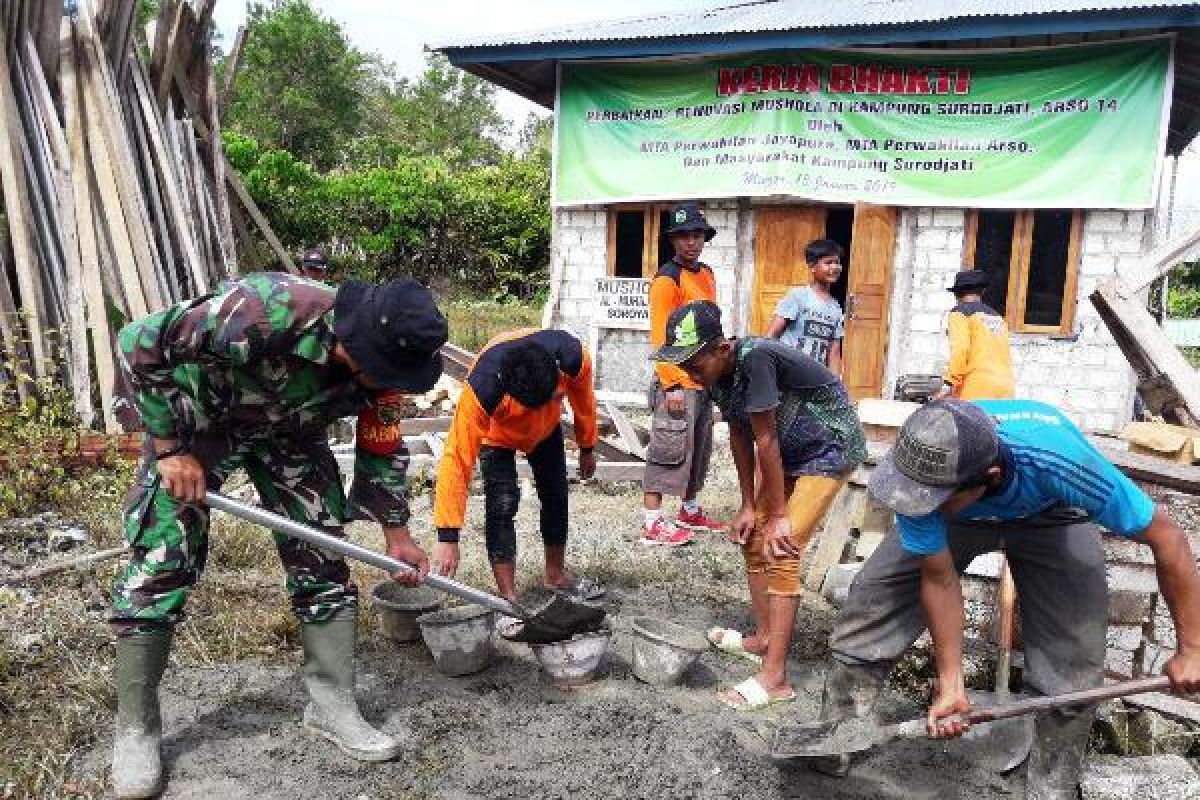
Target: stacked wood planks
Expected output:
[114,184]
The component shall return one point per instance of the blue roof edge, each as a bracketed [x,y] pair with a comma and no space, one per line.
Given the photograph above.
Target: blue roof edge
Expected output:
[949,30]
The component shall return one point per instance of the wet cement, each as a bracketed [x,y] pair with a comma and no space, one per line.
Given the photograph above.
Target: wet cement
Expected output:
[234,731]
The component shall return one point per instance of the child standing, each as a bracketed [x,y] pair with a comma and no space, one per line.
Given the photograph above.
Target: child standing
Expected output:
[790,419]
[809,317]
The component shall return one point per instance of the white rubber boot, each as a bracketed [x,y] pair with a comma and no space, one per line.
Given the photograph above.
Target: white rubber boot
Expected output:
[329,675]
[136,764]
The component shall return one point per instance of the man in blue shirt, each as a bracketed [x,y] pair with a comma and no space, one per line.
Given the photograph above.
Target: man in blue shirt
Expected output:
[967,478]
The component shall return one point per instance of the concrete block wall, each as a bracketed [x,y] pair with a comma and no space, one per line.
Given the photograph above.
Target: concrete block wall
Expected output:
[581,241]
[1085,373]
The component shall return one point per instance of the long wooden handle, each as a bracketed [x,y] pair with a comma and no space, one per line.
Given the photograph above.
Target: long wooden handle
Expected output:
[289,527]
[1155,684]
[1006,595]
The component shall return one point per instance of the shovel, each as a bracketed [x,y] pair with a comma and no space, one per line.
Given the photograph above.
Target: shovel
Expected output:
[1005,744]
[861,733]
[559,619]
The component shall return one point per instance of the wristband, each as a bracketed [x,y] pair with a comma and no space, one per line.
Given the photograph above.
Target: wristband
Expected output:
[447,535]
[177,450]
[586,449]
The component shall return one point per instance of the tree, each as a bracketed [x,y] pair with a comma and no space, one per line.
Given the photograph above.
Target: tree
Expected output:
[448,113]
[301,87]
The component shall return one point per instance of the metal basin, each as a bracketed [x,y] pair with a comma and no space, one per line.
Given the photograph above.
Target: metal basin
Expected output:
[460,638]
[575,661]
[663,651]
[399,606]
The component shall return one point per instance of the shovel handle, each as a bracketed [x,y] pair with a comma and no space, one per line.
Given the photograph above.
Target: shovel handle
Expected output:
[344,547]
[915,728]
[1154,684]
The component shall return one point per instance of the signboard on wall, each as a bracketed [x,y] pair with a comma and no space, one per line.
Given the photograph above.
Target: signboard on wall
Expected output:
[622,303]
[1079,126]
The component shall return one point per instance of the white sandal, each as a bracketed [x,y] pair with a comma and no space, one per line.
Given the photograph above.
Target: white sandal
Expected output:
[757,698]
[729,641]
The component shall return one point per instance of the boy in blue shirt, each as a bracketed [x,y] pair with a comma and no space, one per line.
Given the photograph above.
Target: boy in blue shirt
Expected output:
[967,478]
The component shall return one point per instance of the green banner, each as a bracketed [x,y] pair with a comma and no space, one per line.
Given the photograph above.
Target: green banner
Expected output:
[1079,126]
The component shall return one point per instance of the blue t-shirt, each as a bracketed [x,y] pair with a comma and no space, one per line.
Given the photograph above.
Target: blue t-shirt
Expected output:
[1051,464]
[814,323]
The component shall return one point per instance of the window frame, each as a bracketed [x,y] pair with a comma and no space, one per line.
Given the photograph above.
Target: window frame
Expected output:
[651,216]
[1016,295]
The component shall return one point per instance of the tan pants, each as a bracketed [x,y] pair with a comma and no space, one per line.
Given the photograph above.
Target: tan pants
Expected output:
[680,446]
[810,498]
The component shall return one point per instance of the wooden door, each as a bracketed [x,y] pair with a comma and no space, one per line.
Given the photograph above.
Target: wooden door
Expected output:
[780,235]
[864,350]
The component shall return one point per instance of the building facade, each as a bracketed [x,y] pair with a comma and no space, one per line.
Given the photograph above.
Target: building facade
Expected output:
[1044,262]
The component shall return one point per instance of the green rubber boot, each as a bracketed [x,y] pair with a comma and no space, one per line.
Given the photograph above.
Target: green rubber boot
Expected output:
[329,676]
[136,764]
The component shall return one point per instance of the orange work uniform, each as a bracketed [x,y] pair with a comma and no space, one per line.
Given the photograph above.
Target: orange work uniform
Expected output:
[675,285]
[980,365]
[486,415]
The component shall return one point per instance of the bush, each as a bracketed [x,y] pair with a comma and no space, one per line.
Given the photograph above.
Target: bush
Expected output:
[483,229]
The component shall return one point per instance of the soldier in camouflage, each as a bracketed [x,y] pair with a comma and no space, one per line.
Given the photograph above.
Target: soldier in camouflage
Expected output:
[249,378]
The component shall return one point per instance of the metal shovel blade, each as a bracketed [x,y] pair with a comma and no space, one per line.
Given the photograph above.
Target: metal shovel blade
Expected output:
[999,746]
[835,738]
[560,619]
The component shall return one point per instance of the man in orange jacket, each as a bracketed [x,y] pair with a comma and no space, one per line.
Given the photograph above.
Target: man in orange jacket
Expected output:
[681,429]
[980,365]
[512,401]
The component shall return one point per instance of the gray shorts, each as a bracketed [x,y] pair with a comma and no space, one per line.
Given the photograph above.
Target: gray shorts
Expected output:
[680,447]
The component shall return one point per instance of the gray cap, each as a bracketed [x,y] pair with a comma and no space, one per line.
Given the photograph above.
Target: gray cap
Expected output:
[943,446]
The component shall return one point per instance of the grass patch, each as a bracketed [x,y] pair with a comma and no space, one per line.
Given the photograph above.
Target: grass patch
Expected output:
[474,322]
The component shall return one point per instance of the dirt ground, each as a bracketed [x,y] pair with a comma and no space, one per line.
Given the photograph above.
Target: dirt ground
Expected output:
[232,698]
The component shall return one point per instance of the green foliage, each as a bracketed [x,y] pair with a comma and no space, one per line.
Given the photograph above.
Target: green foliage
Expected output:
[482,229]
[474,322]
[447,113]
[37,435]
[301,85]
[1183,291]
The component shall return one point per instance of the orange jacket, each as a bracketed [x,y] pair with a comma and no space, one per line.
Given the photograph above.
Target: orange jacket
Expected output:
[980,365]
[673,286]
[485,415]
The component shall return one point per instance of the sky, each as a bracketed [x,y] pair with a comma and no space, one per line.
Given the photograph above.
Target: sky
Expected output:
[398,30]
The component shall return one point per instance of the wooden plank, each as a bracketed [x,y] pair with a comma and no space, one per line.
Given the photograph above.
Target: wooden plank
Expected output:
[1159,261]
[1157,471]
[843,514]
[1147,347]
[166,170]
[47,40]
[12,180]
[165,65]
[419,425]
[159,223]
[216,147]
[232,64]
[264,227]
[113,218]
[89,258]
[625,429]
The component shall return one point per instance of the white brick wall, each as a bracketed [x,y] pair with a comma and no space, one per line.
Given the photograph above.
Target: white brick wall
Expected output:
[1087,375]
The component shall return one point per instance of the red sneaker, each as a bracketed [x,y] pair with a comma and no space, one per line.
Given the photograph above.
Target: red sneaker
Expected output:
[700,521]
[663,533]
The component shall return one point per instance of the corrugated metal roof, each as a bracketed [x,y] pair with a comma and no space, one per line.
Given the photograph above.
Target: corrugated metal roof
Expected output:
[786,15]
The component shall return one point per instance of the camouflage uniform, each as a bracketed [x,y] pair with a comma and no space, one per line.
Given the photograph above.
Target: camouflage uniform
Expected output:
[245,377]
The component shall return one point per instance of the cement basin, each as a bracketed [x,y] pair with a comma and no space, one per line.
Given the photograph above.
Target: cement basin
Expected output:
[399,606]
[663,651]
[459,638]
[573,662]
